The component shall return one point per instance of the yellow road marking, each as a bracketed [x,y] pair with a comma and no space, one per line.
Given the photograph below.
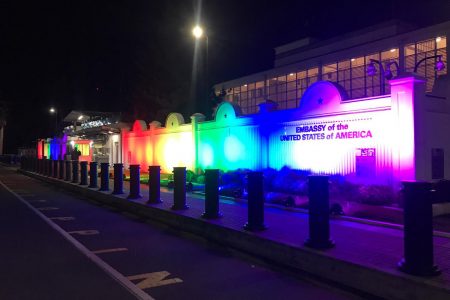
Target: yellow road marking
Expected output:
[47,208]
[109,250]
[62,218]
[84,232]
[154,279]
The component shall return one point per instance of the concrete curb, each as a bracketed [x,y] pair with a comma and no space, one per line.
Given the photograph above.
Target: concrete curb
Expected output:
[381,283]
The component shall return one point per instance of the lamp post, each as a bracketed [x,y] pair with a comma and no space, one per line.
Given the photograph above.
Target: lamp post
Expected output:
[439,63]
[198,33]
[371,71]
[387,73]
[54,111]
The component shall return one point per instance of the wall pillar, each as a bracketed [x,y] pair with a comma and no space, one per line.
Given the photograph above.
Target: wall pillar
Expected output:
[195,120]
[408,145]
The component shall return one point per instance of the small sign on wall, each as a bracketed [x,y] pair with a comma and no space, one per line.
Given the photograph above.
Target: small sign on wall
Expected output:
[365,162]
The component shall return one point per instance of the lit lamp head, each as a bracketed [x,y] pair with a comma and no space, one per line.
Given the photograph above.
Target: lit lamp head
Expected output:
[197,31]
[52,110]
[440,64]
[371,70]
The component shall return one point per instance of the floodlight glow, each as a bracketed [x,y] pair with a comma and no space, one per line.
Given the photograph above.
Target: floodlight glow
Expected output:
[80,117]
[52,110]
[393,50]
[197,31]
[438,39]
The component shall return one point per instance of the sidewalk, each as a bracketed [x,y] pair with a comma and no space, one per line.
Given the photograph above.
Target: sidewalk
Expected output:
[365,256]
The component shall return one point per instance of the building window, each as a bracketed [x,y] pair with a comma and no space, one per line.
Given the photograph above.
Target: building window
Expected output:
[287,89]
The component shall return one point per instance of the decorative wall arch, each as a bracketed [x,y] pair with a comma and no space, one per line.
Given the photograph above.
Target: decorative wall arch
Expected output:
[139,125]
[174,120]
[322,97]
[227,112]
[154,125]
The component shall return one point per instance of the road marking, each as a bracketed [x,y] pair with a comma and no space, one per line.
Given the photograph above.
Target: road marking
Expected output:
[47,208]
[109,250]
[84,232]
[62,218]
[126,283]
[154,279]
[42,201]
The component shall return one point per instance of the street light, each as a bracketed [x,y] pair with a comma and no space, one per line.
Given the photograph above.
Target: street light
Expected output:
[198,32]
[54,111]
[386,71]
[439,63]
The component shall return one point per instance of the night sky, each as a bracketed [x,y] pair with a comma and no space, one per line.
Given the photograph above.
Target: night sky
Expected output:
[136,57]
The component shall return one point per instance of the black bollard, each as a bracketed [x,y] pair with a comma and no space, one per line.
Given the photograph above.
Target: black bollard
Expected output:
[75,171]
[55,168]
[154,184]
[211,194]
[104,182]
[49,168]
[255,189]
[179,188]
[61,169]
[52,168]
[22,163]
[319,213]
[68,170]
[93,175]
[135,182]
[44,166]
[83,173]
[418,230]
[118,179]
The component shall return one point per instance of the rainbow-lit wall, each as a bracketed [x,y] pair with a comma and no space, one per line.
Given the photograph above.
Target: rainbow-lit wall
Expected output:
[377,137]
[52,148]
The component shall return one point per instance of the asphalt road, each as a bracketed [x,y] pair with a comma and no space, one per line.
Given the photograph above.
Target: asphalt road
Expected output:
[56,245]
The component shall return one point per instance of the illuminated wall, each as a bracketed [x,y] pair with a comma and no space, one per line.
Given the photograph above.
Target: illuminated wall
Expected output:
[377,137]
[168,146]
[52,148]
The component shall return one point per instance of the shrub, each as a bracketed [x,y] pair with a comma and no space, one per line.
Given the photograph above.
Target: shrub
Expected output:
[290,181]
[190,176]
[201,179]
[375,194]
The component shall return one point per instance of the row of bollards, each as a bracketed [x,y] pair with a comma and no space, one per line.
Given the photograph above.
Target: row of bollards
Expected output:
[418,228]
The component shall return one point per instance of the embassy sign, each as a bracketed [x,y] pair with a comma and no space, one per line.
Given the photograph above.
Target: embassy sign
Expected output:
[336,130]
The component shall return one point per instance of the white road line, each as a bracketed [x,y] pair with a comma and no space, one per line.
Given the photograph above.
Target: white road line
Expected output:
[126,283]
[41,200]
[109,250]
[46,208]
[84,232]
[62,218]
